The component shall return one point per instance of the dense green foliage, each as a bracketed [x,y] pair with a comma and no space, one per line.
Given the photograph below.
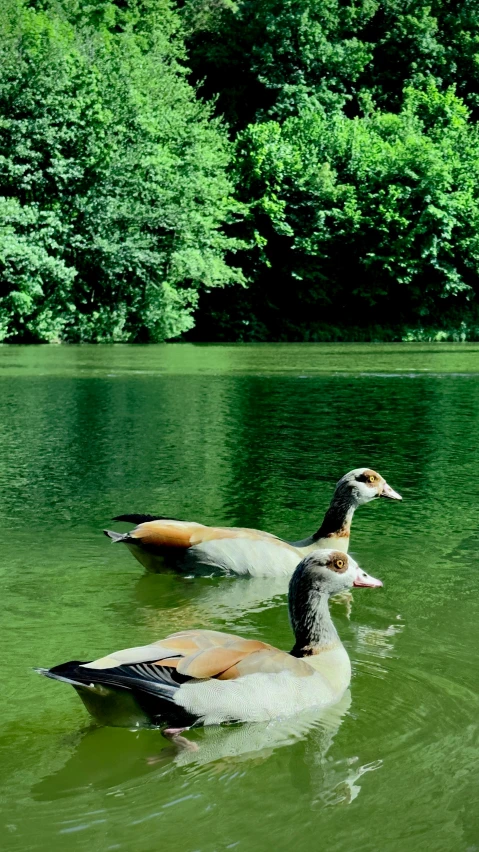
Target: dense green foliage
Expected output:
[113,177]
[385,206]
[324,152]
[357,155]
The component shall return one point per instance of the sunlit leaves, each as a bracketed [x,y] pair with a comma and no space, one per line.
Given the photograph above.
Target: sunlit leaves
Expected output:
[393,198]
[113,174]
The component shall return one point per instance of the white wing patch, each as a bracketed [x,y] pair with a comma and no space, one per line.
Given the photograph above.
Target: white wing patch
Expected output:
[128,657]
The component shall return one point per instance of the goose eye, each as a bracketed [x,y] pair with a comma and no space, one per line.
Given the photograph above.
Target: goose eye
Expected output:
[372,479]
[339,563]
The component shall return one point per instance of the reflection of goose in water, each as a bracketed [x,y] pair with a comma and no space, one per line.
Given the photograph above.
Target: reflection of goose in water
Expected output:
[226,746]
[208,677]
[220,600]
[374,646]
[209,600]
[347,788]
[188,546]
[94,761]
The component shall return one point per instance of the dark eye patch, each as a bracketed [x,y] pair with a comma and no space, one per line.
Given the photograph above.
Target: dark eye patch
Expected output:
[338,564]
[369,477]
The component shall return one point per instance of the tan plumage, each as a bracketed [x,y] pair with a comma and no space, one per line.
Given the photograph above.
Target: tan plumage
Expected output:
[185,534]
[208,653]
[189,546]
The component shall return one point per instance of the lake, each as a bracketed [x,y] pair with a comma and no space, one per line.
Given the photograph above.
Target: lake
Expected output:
[247,435]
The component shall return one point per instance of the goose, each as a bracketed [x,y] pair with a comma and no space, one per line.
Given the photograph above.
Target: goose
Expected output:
[187,546]
[206,677]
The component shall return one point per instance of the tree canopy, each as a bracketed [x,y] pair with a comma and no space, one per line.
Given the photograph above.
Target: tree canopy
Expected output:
[113,176]
[237,170]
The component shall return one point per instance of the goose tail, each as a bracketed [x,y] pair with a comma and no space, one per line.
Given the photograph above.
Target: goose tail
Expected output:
[142,519]
[58,676]
[114,535]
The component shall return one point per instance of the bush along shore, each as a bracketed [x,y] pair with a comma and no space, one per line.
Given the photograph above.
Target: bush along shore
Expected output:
[220,170]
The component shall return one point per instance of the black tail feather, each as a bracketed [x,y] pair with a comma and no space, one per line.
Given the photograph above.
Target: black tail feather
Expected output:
[143,677]
[152,687]
[65,672]
[143,519]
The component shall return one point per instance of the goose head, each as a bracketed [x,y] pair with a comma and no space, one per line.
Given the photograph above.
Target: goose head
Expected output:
[354,489]
[329,572]
[321,574]
[363,485]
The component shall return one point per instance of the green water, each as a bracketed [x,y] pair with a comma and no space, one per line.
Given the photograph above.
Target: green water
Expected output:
[246,435]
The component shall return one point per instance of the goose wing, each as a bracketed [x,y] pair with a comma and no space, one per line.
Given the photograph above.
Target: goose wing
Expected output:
[195,655]
[189,677]
[168,533]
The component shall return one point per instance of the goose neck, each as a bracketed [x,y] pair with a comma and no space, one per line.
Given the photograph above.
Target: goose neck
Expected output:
[338,518]
[311,621]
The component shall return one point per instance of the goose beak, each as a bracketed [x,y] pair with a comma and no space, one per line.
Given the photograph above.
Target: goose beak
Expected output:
[365,580]
[390,493]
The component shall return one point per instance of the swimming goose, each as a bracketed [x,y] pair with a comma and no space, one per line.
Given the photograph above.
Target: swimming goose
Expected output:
[205,677]
[188,546]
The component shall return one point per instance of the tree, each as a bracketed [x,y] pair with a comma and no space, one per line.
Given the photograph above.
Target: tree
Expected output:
[361,221]
[113,176]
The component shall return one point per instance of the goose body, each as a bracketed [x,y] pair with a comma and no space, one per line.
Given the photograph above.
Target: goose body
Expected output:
[192,547]
[209,677]
[229,550]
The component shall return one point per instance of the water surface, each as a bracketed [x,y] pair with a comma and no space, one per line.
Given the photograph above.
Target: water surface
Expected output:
[246,435]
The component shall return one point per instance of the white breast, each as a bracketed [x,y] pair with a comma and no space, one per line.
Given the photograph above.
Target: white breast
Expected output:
[334,665]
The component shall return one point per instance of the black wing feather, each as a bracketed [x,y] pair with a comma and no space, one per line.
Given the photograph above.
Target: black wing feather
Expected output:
[143,519]
[153,687]
[143,677]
